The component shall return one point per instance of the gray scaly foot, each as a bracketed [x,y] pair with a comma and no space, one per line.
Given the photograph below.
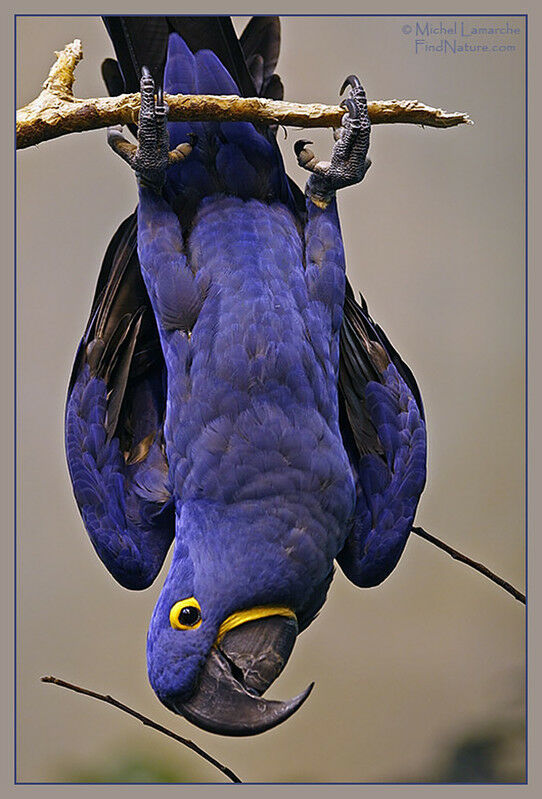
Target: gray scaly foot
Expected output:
[349,161]
[151,156]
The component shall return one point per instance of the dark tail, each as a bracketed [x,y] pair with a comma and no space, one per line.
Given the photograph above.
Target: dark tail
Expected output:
[142,41]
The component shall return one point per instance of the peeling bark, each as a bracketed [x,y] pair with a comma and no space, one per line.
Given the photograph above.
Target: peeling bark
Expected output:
[56,112]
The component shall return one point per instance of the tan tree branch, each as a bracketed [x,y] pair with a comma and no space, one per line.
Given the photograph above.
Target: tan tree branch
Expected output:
[147,722]
[56,112]
[479,567]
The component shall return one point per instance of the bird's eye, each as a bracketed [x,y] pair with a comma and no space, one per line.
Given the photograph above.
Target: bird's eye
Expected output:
[185,615]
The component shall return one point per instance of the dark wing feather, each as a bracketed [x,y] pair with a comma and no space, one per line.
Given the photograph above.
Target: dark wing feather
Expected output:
[114,422]
[260,42]
[383,429]
[365,351]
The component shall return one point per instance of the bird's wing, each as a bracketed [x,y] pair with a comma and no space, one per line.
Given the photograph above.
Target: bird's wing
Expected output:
[383,429]
[114,422]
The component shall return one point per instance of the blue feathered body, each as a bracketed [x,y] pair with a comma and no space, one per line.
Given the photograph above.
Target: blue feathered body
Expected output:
[277,434]
[252,409]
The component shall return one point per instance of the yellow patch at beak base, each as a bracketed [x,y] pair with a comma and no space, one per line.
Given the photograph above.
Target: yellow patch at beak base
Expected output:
[251,614]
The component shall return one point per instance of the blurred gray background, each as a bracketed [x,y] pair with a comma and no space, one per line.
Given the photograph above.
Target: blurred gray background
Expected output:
[420,679]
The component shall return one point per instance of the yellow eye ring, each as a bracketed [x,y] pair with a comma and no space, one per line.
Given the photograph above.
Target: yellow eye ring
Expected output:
[185,615]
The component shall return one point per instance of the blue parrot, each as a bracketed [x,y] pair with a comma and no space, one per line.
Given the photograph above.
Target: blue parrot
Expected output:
[230,395]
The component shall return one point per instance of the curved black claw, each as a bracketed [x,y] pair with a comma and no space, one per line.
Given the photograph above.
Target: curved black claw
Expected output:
[299,145]
[352,108]
[349,162]
[351,80]
[160,95]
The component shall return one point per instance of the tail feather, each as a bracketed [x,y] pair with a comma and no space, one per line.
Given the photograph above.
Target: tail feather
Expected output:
[143,41]
[138,41]
[216,34]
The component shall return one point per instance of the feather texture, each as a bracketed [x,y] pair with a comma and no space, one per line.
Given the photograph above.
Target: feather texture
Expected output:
[383,428]
[229,393]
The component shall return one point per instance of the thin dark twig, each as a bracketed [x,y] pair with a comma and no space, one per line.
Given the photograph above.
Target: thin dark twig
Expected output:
[473,563]
[147,722]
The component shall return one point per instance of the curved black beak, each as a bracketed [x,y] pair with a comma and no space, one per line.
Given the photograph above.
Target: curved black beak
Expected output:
[241,666]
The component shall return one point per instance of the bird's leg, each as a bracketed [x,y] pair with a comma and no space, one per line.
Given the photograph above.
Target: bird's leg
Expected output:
[151,156]
[349,161]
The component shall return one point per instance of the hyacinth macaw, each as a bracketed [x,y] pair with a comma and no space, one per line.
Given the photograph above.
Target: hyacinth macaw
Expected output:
[229,394]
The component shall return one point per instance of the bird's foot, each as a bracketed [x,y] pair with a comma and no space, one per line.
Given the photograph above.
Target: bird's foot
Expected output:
[151,156]
[349,161]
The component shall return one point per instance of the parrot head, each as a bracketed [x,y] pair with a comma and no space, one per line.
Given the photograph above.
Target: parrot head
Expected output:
[226,621]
